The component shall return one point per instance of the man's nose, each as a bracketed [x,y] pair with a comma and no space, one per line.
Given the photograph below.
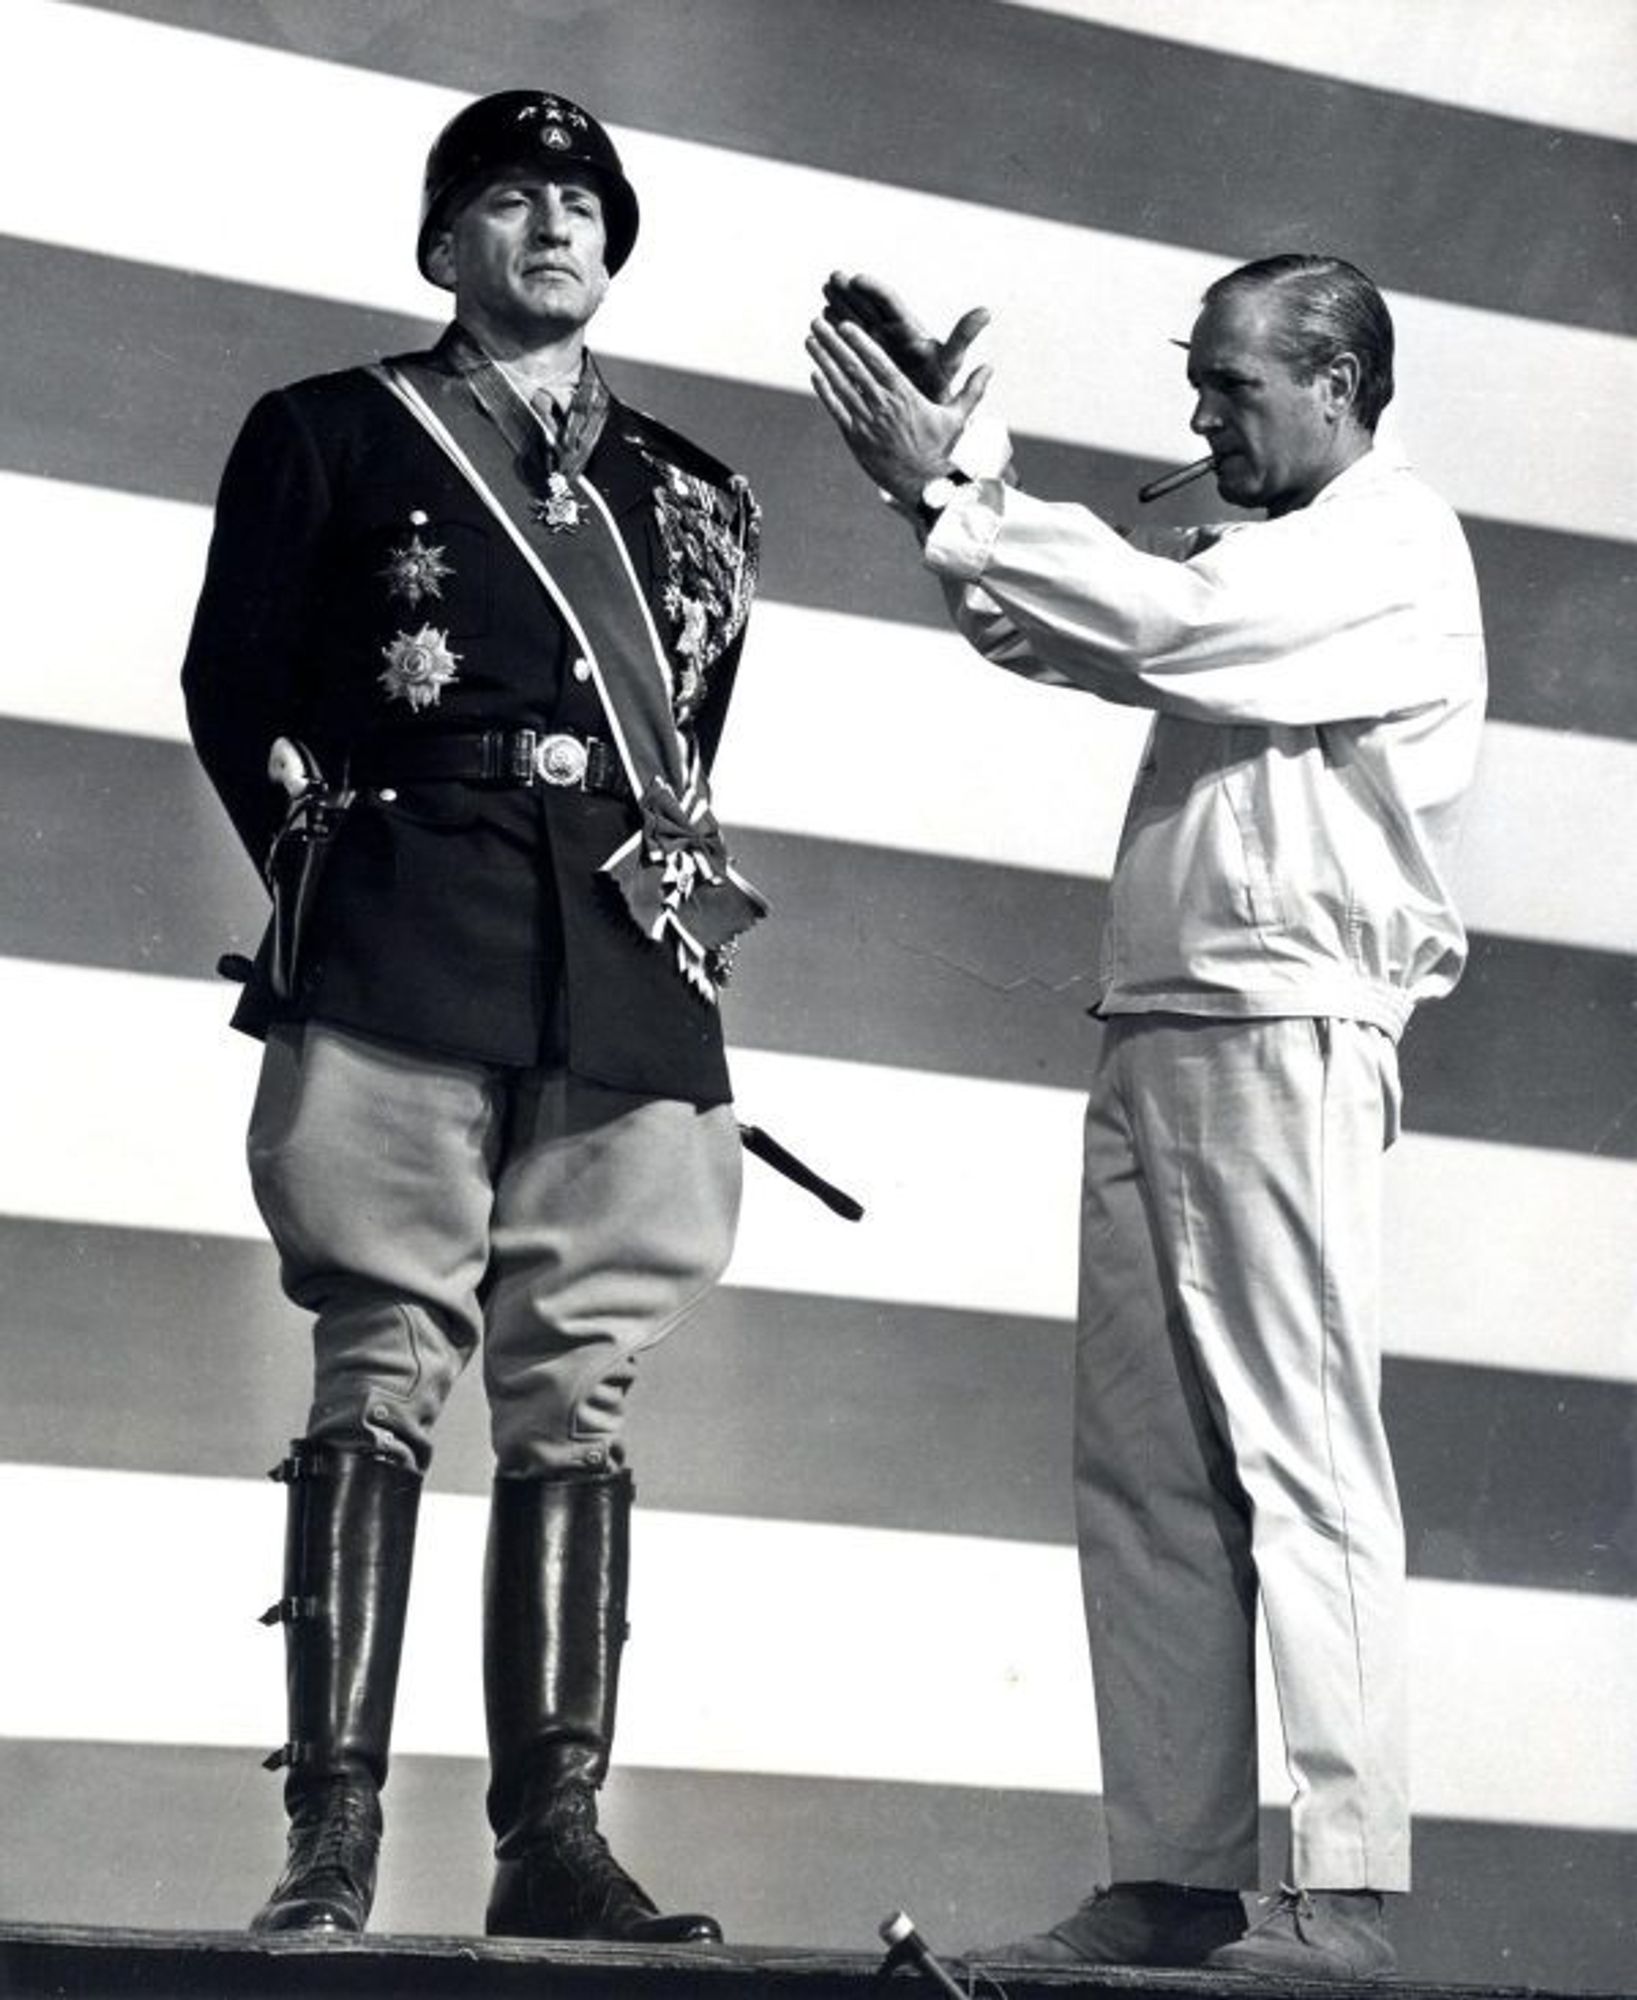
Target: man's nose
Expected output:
[1205,418]
[551,217]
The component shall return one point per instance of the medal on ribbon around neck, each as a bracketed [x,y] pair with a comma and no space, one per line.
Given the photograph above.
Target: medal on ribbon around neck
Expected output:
[559,510]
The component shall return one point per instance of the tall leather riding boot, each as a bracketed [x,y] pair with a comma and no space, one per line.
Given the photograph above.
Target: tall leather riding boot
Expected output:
[554,1623]
[349,1543]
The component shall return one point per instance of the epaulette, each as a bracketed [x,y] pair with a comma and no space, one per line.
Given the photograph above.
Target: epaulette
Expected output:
[663,442]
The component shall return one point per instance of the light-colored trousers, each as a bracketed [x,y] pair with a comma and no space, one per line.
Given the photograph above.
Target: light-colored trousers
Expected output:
[422,1206]
[1228,1443]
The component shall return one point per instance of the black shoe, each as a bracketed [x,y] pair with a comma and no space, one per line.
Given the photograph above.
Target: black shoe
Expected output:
[1132,1923]
[1315,1934]
[328,1882]
[564,1883]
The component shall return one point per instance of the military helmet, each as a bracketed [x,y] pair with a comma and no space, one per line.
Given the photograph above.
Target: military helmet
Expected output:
[518,128]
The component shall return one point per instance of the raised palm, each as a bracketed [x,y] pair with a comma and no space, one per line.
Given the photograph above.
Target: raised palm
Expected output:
[933,365]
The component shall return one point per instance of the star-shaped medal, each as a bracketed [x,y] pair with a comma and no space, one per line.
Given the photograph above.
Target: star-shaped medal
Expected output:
[419,666]
[414,571]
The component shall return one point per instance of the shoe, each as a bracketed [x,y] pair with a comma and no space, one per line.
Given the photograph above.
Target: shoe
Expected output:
[1314,1934]
[1132,1923]
[566,1884]
[328,1882]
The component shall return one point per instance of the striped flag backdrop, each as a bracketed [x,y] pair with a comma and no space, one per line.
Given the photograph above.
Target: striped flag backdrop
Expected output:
[857,1676]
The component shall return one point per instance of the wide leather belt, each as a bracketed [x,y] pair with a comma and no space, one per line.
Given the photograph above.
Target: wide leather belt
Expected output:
[500,757]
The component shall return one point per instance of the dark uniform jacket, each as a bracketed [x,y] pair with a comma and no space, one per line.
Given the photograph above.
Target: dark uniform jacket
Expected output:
[456,917]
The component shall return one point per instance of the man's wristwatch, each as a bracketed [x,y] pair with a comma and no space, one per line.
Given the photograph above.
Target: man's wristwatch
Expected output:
[936,496]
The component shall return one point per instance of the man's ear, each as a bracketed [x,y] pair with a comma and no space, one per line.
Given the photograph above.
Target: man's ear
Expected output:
[1341,376]
[440,259]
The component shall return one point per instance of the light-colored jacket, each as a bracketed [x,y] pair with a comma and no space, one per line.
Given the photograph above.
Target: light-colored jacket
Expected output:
[1318,682]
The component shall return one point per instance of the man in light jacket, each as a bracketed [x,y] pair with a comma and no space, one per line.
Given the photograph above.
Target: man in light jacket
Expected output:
[1280,904]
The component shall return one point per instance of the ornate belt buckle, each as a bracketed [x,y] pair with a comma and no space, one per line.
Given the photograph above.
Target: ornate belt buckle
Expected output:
[560,760]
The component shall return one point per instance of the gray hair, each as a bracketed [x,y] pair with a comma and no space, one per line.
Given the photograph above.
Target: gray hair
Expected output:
[1327,307]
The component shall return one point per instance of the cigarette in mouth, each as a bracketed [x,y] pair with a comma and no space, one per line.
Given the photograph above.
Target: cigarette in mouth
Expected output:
[1168,482]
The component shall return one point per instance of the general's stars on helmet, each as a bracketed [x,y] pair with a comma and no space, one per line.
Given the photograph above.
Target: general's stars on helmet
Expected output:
[556,116]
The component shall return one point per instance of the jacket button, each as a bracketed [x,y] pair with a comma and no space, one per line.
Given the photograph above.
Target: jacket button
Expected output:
[582,670]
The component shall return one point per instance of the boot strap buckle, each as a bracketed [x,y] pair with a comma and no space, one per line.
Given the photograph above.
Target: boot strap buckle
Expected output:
[290,1756]
[288,1609]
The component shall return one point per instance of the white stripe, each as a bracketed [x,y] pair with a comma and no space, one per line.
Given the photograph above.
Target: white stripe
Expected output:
[125,1099]
[1006,772]
[1549,815]
[1534,434]
[765,1646]
[130,566]
[1567,65]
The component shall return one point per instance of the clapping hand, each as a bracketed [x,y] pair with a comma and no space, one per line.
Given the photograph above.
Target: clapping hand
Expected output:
[932,365]
[890,386]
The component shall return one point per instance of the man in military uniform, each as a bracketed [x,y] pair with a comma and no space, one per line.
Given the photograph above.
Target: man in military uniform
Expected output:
[480,621]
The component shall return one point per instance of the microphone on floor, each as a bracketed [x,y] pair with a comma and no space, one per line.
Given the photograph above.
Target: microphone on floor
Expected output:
[906,1946]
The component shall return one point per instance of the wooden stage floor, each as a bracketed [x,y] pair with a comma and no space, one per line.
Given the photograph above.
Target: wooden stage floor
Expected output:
[69,1963]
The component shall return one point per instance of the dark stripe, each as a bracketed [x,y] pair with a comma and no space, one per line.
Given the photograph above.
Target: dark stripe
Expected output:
[1051,117]
[982,970]
[148,395]
[152,1352]
[1504,1471]
[114,853]
[811,1863]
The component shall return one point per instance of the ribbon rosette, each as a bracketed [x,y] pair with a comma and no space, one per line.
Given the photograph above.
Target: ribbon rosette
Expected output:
[677,881]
